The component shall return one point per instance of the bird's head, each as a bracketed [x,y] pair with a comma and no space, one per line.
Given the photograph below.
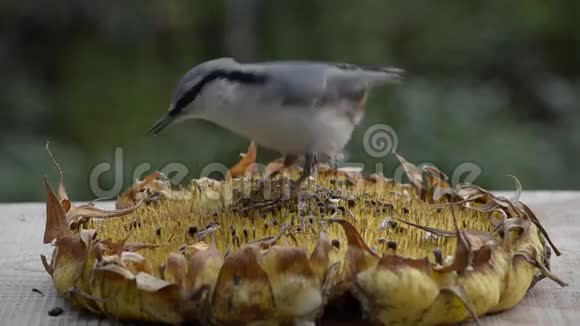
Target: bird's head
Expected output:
[185,104]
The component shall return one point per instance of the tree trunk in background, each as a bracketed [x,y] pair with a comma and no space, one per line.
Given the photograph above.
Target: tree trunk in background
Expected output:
[240,28]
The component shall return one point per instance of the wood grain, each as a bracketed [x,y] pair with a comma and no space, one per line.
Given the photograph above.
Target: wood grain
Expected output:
[21,270]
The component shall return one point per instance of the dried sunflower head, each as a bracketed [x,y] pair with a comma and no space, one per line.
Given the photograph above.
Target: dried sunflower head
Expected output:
[351,247]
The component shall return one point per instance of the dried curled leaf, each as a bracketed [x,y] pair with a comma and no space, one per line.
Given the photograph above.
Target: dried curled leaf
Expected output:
[152,188]
[247,162]
[56,226]
[432,188]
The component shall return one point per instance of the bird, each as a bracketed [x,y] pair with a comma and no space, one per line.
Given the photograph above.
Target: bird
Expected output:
[302,109]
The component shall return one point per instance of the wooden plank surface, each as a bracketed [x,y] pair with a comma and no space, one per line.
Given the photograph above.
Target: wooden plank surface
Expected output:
[21,270]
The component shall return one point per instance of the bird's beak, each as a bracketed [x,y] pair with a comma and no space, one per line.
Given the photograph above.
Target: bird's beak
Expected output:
[160,125]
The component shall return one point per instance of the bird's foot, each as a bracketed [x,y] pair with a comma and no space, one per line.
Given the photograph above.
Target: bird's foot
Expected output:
[310,163]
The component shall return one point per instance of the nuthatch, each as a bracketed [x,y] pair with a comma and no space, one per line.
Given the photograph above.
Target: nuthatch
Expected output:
[298,108]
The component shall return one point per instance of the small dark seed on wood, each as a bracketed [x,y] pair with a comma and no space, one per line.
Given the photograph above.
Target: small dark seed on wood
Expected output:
[158,231]
[391,244]
[393,224]
[55,311]
[406,211]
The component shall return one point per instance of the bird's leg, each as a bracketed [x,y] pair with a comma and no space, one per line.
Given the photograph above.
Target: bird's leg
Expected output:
[332,161]
[333,164]
[311,159]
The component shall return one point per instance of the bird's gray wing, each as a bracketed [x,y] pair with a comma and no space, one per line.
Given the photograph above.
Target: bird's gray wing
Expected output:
[294,84]
[314,84]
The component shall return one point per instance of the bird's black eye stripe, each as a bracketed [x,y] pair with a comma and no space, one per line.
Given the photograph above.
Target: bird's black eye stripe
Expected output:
[234,76]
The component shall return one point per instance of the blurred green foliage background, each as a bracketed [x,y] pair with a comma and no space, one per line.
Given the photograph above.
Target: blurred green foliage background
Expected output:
[495,83]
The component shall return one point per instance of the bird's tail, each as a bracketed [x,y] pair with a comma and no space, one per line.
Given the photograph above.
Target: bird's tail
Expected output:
[381,75]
